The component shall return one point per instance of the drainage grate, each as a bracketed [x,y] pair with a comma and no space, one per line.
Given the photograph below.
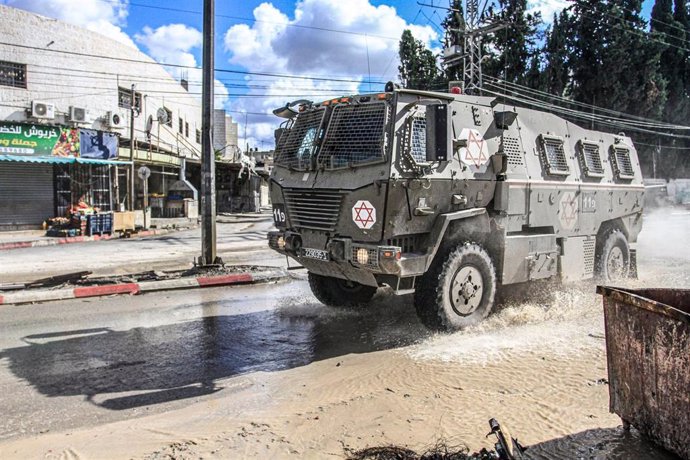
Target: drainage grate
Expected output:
[313,209]
[355,135]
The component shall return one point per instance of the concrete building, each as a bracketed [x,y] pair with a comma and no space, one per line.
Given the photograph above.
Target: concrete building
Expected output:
[59,78]
[225,138]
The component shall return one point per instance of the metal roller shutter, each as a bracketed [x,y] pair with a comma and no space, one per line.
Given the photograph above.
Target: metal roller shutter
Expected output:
[26,194]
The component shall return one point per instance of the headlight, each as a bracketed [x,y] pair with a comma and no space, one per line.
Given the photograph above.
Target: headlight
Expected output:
[281,243]
[362,256]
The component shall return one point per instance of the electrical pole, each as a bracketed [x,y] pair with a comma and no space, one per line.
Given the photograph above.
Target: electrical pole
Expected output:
[208,166]
[131,148]
[470,54]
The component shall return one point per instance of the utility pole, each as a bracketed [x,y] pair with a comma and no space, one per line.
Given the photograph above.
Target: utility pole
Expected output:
[131,147]
[208,165]
[475,28]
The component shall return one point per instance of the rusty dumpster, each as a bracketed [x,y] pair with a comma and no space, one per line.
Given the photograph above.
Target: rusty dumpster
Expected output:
[648,354]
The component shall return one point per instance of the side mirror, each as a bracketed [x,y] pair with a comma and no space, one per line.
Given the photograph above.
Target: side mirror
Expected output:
[438,132]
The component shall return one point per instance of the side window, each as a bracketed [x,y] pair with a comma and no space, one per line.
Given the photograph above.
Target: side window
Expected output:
[621,163]
[590,158]
[12,74]
[553,156]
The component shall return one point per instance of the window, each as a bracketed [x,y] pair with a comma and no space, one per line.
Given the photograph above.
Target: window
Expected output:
[12,74]
[553,156]
[168,114]
[124,99]
[198,136]
[181,128]
[186,129]
[620,160]
[590,160]
[418,139]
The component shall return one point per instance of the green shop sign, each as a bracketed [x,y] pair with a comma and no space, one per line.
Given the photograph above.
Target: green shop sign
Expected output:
[38,140]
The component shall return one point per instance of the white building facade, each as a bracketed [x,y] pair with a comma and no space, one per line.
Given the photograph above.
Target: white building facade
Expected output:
[56,75]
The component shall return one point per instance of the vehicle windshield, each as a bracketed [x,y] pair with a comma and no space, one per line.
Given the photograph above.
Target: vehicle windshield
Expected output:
[344,136]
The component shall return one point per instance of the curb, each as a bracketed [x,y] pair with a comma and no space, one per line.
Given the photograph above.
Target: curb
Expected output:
[83,239]
[36,296]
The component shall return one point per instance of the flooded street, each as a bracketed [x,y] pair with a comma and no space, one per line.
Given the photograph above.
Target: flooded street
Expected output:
[251,372]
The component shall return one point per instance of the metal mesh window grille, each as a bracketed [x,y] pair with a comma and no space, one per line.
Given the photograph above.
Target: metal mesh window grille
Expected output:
[297,145]
[553,155]
[12,74]
[622,166]
[590,159]
[418,140]
[313,209]
[355,135]
[511,147]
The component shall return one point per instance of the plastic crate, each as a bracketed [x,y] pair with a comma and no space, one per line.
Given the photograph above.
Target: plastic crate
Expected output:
[98,224]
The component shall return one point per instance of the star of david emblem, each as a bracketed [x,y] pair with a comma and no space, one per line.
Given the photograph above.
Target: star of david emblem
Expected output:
[569,210]
[474,152]
[364,214]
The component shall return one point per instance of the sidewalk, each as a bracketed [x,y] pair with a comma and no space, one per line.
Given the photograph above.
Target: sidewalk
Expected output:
[159,226]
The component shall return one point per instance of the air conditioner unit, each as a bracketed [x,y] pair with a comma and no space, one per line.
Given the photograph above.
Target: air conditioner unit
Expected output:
[42,110]
[77,114]
[114,119]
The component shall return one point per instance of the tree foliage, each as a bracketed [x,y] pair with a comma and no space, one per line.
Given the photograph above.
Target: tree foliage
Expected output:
[598,52]
[418,68]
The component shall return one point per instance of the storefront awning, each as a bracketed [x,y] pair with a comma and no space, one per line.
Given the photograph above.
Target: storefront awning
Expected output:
[60,160]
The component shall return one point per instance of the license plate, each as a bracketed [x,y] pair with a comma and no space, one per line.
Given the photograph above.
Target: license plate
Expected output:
[315,254]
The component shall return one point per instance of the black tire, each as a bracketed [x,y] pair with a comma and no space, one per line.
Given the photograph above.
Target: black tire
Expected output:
[612,261]
[449,296]
[336,292]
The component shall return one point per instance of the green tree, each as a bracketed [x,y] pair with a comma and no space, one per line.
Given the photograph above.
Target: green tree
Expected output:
[511,49]
[557,51]
[418,69]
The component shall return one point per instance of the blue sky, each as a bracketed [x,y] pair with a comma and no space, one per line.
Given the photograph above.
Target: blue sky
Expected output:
[315,49]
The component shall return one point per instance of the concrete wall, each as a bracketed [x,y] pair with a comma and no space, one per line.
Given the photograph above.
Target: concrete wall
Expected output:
[68,80]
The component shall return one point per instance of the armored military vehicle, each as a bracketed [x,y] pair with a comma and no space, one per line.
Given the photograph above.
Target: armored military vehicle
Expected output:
[448,196]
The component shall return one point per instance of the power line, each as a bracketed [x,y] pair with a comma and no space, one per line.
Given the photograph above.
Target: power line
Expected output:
[180,66]
[633,118]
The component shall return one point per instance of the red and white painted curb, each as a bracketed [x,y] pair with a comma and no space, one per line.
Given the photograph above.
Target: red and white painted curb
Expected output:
[82,239]
[45,295]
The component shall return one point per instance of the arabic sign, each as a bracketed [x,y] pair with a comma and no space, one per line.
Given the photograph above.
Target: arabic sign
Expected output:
[38,140]
[26,139]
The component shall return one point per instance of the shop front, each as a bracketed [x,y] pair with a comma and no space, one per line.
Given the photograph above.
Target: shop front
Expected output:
[47,173]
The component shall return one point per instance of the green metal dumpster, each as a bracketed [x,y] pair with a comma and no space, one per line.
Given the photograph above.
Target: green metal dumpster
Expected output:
[648,354]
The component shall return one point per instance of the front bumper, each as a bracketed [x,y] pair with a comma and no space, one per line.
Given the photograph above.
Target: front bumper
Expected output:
[341,251]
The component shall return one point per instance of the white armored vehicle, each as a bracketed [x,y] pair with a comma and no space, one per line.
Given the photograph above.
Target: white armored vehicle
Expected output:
[448,196]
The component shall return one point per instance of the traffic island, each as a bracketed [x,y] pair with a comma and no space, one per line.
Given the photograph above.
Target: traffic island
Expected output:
[146,282]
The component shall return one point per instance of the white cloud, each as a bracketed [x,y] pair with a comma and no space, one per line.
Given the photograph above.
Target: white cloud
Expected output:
[308,46]
[547,8]
[173,44]
[104,17]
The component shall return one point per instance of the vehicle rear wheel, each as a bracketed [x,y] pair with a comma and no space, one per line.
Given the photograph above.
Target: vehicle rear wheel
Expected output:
[613,257]
[336,292]
[458,290]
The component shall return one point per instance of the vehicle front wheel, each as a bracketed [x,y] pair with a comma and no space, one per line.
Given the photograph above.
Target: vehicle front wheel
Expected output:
[613,257]
[458,290]
[336,292]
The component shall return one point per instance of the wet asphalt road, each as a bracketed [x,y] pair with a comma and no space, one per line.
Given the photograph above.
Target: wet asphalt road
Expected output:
[74,363]
[87,362]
